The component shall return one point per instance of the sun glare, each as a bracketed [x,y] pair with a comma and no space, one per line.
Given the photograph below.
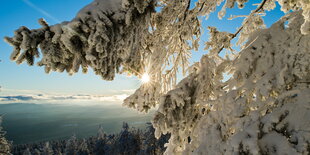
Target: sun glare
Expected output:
[145,78]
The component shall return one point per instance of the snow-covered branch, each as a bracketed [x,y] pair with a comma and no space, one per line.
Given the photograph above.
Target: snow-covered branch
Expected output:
[261,101]
[267,91]
[105,35]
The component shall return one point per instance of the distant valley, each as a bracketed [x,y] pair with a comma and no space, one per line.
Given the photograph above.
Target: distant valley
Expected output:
[28,123]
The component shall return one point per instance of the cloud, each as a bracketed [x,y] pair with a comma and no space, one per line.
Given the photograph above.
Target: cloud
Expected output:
[59,99]
[13,98]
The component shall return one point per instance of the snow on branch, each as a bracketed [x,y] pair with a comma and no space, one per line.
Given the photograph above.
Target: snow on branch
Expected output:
[255,110]
[175,31]
[105,35]
[262,100]
[174,27]
[287,5]
[180,110]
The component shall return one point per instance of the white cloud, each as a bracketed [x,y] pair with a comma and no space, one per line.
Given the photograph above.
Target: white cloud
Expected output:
[62,99]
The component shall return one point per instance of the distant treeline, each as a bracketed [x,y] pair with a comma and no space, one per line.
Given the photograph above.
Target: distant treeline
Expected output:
[130,141]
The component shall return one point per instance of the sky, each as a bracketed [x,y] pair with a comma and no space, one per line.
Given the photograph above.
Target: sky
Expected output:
[22,79]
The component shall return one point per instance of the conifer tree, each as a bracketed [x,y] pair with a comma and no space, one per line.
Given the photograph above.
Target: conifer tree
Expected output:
[71,146]
[101,142]
[5,146]
[263,107]
[128,141]
[83,148]
[27,152]
[47,149]
[36,152]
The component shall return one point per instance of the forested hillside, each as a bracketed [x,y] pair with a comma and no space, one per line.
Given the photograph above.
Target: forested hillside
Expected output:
[130,141]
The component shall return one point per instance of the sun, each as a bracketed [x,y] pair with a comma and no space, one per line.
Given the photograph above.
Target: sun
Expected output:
[145,78]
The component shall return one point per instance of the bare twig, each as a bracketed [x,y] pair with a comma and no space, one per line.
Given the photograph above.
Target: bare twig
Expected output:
[255,11]
[187,9]
[259,8]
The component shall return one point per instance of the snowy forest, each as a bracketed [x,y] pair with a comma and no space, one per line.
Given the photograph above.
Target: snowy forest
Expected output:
[255,100]
[128,141]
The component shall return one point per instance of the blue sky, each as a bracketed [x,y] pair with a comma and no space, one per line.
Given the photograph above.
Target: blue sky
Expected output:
[13,77]
[22,79]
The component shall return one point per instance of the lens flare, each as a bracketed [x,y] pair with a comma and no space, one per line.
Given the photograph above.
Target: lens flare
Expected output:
[145,78]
